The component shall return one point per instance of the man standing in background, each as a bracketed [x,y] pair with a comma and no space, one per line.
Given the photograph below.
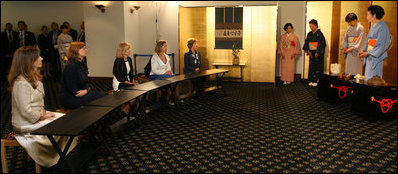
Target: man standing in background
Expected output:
[25,37]
[7,48]
[82,35]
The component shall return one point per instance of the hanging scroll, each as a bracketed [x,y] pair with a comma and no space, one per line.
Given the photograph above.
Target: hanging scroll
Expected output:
[229,27]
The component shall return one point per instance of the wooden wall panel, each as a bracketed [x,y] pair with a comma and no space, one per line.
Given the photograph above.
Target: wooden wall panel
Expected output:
[193,23]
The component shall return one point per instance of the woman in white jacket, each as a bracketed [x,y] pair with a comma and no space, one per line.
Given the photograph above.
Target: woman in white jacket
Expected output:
[160,62]
[160,65]
[28,113]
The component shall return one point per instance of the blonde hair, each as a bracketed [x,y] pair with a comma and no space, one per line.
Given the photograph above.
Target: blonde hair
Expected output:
[23,64]
[121,49]
[191,42]
[73,51]
[159,45]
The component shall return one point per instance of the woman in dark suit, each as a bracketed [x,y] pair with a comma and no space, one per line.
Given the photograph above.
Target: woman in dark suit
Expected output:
[123,68]
[123,72]
[75,90]
[192,64]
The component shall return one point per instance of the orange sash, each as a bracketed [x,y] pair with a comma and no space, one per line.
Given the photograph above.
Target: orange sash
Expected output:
[313,45]
[352,41]
[371,44]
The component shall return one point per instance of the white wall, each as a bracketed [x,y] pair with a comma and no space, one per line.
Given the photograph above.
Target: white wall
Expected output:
[38,13]
[131,27]
[168,29]
[104,31]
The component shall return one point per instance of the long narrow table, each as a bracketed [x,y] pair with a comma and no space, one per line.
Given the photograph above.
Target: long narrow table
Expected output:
[117,98]
[183,77]
[151,85]
[72,124]
[75,122]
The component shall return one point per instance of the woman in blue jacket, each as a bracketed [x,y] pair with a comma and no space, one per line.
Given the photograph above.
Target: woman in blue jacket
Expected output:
[192,64]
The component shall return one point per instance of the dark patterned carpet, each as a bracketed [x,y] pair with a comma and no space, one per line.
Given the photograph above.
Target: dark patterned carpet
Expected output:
[254,127]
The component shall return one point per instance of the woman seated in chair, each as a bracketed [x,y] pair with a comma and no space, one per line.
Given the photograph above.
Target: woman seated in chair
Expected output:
[123,72]
[160,64]
[192,64]
[123,68]
[75,90]
[28,113]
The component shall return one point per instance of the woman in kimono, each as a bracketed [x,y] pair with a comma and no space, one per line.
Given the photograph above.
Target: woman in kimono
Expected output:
[288,48]
[63,42]
[314,46]
[28,113]
[377,43]
[352,43]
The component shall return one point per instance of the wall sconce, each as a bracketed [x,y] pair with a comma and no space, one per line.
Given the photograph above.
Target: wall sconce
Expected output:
[101,7]
[136,8]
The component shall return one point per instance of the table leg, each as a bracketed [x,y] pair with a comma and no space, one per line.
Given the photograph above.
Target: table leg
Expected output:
[173,88]
[241,73]
[219,81]
[98,130]
[63,154]
[142,102]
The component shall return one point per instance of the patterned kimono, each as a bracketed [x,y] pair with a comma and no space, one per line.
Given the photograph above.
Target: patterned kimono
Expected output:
[64,41]
[377,43]
[354,38]
[288,48]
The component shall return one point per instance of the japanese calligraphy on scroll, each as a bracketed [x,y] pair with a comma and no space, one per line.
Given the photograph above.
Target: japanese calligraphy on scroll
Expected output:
[229,27]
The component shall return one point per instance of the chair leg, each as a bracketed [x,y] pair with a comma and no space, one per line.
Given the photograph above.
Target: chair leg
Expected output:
[37,168]
[4,163]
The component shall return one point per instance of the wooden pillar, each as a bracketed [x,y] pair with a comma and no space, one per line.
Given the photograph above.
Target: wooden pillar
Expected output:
[335,42]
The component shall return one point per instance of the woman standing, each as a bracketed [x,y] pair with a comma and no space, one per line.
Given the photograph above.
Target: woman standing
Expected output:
[288,48]
[63,42]
[75,90]
[378,42]
[314,46]
[28,113]
[352,43]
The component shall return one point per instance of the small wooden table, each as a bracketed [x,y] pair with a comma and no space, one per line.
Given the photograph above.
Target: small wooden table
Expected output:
[241,65]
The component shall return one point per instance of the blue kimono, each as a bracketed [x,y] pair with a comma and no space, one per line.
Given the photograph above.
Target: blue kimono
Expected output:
[378,52]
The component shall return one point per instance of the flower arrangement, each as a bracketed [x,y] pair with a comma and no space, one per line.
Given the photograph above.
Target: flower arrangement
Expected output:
[235,53]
